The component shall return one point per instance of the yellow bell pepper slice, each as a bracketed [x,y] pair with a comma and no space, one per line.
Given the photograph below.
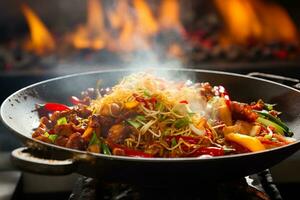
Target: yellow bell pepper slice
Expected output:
[251,143]
[131,104]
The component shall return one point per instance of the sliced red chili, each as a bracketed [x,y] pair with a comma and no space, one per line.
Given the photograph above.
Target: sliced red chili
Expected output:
[184,102]
[212,151]
[55,107]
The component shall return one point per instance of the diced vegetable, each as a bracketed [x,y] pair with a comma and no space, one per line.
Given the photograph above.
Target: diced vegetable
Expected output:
[251,143]
[131,104]
[53,137]
[87,133]
[61,121]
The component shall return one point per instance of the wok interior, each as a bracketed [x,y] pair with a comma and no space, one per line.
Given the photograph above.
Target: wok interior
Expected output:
[17,111]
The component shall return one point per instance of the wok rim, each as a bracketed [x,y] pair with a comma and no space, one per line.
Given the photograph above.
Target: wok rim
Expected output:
[141,159]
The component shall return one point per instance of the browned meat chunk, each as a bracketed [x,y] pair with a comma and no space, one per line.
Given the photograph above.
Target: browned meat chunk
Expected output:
[61,141]
[243,112]
[117,133]
[63,129]
[76,142]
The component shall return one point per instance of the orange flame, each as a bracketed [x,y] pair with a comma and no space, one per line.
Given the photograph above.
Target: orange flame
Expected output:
[146,23]
[41,40]
[170,14]
[255,19]
[93,35]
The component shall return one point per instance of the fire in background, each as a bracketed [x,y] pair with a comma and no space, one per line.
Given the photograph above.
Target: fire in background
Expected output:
[236,29]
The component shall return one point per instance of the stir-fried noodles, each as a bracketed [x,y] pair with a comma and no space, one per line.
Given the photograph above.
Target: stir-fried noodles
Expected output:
[147,116]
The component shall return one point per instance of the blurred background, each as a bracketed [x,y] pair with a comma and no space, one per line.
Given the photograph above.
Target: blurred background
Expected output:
[41,39]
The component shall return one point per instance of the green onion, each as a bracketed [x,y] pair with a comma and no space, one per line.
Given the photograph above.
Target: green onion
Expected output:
[140,117]
[105,149]
[269,106]
[135,124]
[53,137]
[94,139]
[277,121]
[181,122]
[173,142]
[62,121]
[267,122]
[159,106]
[147,93]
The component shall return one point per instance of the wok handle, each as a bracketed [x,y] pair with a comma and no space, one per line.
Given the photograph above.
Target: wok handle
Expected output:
[293,82]
[24,160]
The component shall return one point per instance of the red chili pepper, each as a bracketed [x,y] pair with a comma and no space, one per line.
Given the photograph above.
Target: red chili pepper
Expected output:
[184,102]
[75,100]
[212,151]
[56,107]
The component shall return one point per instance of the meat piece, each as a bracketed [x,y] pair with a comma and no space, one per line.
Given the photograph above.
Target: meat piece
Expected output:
[63,129]
[83,111]
[46,122]
[128,114]
[43,138]
[59,114]
[243,112]
[61,141]
[117,133]
[39,131]
[106,123]
[76,142]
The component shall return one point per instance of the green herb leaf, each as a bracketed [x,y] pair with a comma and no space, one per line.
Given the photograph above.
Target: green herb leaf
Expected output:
[62,121]
[181,122]
[53,137]
[268,106]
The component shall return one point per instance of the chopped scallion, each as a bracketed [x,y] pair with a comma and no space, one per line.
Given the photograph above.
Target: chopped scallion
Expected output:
[53,137]
[105,149]
[62,121]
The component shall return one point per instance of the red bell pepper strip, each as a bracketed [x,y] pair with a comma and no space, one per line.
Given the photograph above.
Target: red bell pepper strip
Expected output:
[212,151]
[55,107]
[129,152]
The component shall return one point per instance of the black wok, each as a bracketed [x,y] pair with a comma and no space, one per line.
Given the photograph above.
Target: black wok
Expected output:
[17,114]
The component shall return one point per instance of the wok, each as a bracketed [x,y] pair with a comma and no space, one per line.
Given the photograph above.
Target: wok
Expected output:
[39,157]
